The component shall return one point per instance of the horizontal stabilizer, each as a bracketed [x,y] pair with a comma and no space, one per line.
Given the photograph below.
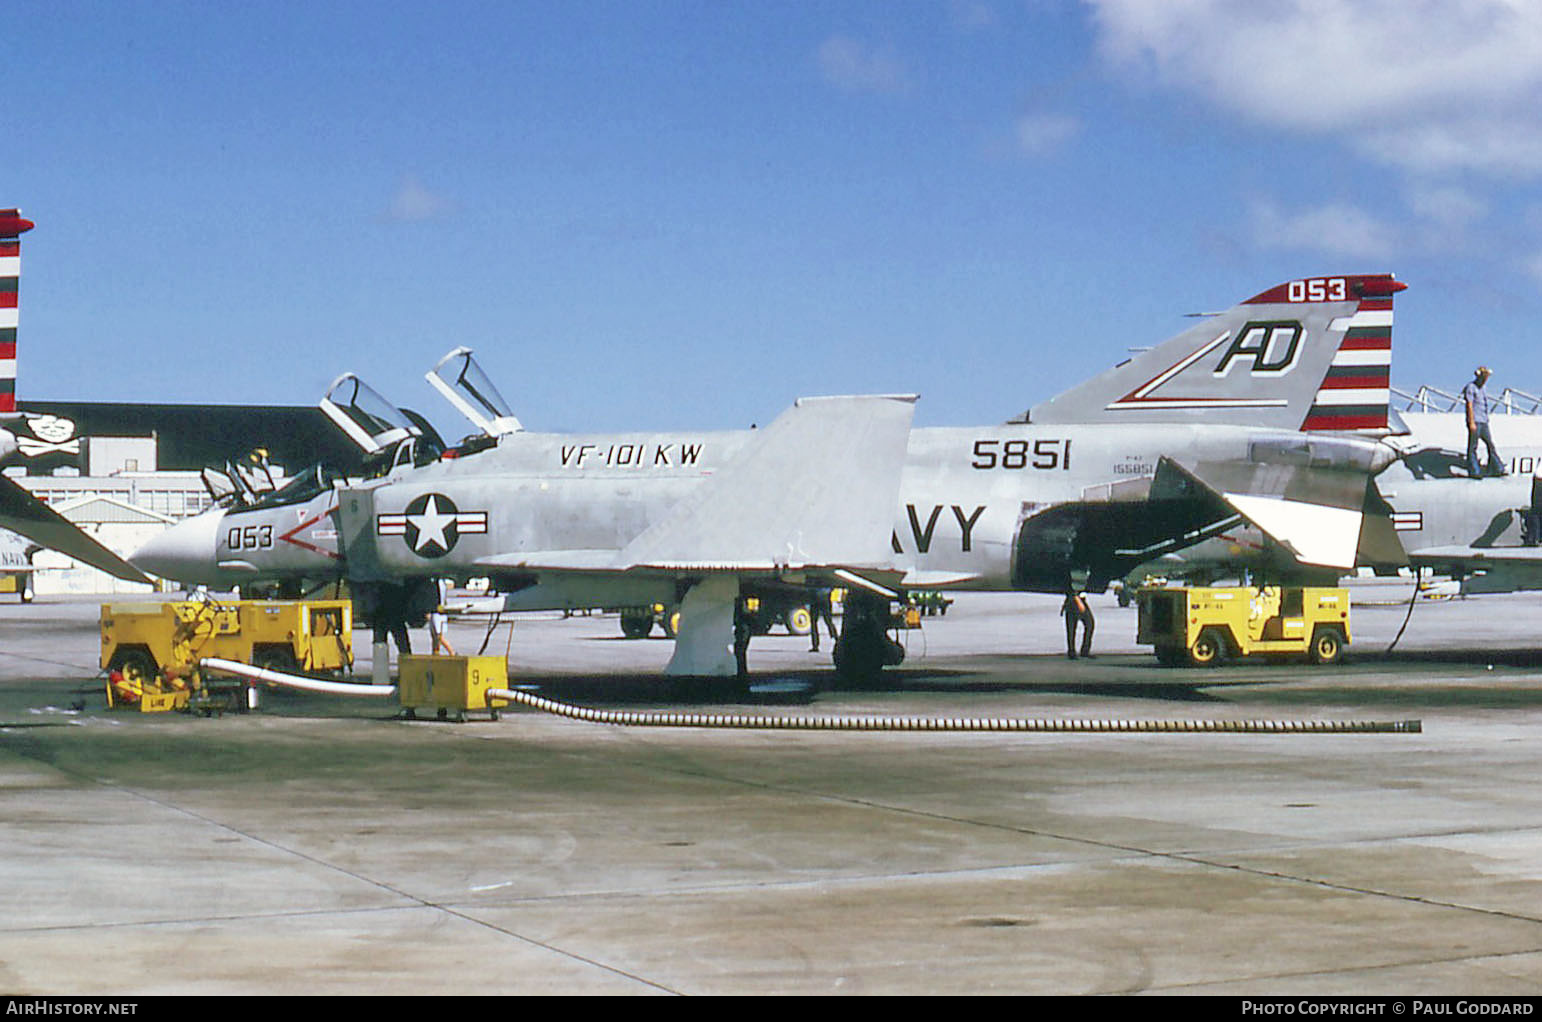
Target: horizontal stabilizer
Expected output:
[1315,513]
[24,514]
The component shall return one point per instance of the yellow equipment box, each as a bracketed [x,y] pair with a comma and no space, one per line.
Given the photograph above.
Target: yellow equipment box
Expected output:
[19,583]
[1203,626]
[144,643]
[445,683]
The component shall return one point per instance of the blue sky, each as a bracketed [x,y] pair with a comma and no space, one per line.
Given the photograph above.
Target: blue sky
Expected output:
[686,214]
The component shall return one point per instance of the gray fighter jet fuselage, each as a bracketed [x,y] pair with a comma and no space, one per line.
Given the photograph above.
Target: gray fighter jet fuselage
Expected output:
[1250,415]
[1012,506]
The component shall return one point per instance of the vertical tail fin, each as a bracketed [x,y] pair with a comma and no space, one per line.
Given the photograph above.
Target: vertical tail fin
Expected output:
[12,227]
[1354,394]
[1312,354]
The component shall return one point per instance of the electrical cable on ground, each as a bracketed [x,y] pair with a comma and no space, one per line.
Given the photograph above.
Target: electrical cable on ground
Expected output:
[1013,724]
[1418,574]
[765,722]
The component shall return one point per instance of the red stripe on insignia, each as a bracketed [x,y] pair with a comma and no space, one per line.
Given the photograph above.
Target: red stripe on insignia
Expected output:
[7,299]
[1375,304]
[10,247]
[7,402]
[7,350]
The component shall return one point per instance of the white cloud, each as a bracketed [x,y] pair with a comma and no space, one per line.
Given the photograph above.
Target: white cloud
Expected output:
[859,67]
[1453,209]
[1506,147]
[1336,229]
[1424,84]
[414,203]
[1042,134]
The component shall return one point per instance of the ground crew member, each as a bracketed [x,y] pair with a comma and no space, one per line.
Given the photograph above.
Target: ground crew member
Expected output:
[741,638]
[1476,400]
[437,621]
[1077,611]
[1531,518]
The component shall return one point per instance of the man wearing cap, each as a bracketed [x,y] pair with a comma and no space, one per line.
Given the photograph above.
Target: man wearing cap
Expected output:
[1476,399]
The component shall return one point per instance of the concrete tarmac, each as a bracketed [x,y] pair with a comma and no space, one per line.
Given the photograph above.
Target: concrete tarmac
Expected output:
[322,846]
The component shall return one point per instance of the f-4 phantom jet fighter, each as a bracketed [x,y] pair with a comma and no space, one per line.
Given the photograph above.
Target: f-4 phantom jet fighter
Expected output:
[1272,413]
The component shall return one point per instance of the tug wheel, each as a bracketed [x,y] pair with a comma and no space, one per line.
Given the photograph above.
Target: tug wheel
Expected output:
[1208,649]
[1327,646]
[137,667]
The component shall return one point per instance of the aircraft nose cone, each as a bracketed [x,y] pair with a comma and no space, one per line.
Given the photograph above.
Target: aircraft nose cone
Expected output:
[185,552]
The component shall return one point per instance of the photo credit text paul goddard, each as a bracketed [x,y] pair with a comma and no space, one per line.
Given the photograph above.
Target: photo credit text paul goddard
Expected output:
[1417,1007]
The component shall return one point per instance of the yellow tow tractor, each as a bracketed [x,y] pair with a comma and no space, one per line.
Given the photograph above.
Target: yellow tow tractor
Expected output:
[151,650]
[1204,626]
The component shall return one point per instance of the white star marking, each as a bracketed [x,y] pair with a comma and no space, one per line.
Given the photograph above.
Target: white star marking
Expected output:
[431,525]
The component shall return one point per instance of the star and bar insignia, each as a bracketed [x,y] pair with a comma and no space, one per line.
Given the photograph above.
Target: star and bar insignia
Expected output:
[432,524]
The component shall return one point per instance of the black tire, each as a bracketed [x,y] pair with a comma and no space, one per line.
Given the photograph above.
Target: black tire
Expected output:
[1327,646]
[799,621]
[636,626]
[137,666]
[1209,649]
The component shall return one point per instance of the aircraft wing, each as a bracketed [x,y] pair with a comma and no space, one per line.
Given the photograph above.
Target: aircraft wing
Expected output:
[1317,513]
[24,514]
[1504,569]
[816,490]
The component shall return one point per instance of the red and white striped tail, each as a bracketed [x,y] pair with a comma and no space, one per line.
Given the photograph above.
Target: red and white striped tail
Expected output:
[12,227]
[1357,389]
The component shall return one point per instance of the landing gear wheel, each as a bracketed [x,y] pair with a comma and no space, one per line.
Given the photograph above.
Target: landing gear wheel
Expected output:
[799,621]
[864,648]
[636,626]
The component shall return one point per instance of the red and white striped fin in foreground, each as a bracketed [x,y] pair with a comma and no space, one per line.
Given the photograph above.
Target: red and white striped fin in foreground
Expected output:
[12,226]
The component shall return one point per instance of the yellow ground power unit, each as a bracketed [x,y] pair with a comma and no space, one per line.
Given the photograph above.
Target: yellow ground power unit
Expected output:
[149,649]
[1204,626]
[447,684]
